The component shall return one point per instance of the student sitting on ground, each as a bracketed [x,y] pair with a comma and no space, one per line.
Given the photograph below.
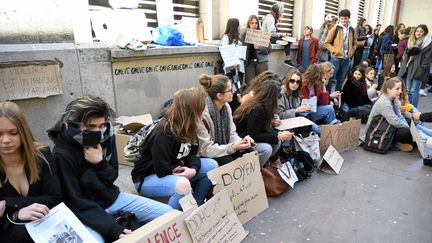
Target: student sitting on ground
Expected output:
[388,105]
[28,183]
[217,134]
[86,158]
[371,85]
[289,99]
[314,85]
[355,98]
[255,117]
[169,164]
[257,82]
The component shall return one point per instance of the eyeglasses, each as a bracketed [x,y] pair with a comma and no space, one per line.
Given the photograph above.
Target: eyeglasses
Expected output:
[228,91]
[294,81]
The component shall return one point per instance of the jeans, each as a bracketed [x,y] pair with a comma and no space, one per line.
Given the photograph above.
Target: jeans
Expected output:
[413,88]
[424,130]
[360,111]
[365,53]
[265,151]
[154,186]
[145,209]
[324,111]
[340,71]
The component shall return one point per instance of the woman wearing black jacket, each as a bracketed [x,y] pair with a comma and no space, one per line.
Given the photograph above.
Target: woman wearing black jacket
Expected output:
[28,183]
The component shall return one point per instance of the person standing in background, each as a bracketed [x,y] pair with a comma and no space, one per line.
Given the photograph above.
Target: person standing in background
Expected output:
[308,48]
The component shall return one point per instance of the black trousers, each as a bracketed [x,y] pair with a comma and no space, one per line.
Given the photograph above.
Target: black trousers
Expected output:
[228,158]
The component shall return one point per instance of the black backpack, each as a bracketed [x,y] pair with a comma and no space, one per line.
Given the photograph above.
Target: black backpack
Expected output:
[379,135]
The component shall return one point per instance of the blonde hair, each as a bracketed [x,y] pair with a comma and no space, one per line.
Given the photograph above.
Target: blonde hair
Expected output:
[183,115]
[29,149]
[313,76]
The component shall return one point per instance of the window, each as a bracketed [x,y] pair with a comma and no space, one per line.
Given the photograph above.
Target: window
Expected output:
[361,9]
[379,11]
[286,20]
[185,8]
[332,7]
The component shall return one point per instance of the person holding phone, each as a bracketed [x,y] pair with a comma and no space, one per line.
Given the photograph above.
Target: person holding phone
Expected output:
[169,165]
[86,158]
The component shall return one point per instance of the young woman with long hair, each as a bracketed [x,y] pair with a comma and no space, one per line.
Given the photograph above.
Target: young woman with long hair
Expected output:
[231,36]
[28,184]
[257,57]
[169,164]
[217,134]
[371,85]
[255,117]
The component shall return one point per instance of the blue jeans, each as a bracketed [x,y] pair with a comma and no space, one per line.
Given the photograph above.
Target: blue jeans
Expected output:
[324,111]
[154,186]
[425,130]
[145,209]
[265,151]
[413,88]
[341,69]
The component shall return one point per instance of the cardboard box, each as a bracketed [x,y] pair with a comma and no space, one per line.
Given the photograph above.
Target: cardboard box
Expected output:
[128,125]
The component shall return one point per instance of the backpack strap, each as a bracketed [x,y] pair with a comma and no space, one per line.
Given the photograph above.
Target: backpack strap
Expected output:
[351,29]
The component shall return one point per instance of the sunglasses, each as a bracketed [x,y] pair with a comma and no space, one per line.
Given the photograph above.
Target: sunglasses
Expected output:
[294,81]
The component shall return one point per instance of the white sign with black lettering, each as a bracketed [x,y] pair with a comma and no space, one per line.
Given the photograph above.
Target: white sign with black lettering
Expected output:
[332,161]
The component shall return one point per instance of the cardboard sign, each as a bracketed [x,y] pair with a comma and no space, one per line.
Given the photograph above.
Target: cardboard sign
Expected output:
[312,101]
[215,221]
[425,152]
[230,55]
[29,80]
[258,37]
[169,227]
[332,161]
[342,136]
[288,174]
[294,122]
[243,181]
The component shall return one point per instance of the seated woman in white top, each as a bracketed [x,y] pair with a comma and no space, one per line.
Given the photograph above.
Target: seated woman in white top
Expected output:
[217,134]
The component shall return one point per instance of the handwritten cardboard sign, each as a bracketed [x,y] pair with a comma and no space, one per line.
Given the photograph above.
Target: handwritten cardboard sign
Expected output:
[342,136]
[215,221]
[294,122]
[243,182]
[24,81]
[258,37]
[424,151]
[232,54]
[332,161]
[169,227]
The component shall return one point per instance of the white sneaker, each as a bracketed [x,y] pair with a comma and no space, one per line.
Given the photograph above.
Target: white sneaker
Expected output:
[281,42]
[422,92]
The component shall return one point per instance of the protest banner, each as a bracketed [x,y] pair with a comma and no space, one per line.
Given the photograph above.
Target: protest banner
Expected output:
[243,182]
[257,37]
[215,221]
[342,136]
[332,161]
[230,55]
[294,122]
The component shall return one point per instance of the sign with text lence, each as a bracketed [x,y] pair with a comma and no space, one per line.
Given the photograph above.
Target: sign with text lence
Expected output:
[24,80]
[242,180]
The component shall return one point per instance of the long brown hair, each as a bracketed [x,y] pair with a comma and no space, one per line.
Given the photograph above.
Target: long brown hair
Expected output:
[29,149]
[257,82]
[183,115]
[267,96]
[232,30]
[412,39]
[249,21]
[214,84]
[290,73]
[313,76]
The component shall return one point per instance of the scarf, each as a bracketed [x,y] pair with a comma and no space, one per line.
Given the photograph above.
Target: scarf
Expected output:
[276,17]
[418,43]
[220,121]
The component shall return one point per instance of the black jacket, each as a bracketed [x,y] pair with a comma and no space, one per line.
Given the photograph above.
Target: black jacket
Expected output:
[254,125]
[352,95]
[161,154]
[87,189]
[45,191]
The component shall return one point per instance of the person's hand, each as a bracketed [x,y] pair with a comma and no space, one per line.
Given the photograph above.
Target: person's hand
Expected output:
[335,95]
[256,46]
[403,109]
[304,108]
[33,212]
[242,145]
[188,172]
[276,122]
[125,232]
[2,207]
[284,136]
[375,86]
[248,138]
[93,155]
[416,116]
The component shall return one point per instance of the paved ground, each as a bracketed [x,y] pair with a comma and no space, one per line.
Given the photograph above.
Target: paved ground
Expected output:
[375,198]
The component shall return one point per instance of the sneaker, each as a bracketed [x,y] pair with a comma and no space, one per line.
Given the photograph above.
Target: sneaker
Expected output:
[405,147]
[289,63]
[422,92]
[282,42]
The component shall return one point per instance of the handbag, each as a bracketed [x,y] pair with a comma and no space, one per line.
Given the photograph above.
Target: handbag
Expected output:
[379,135]
[274,184]
[309,144]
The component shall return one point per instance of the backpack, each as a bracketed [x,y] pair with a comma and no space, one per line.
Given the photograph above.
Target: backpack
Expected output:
[379,135]
[301,161]
[132,150]
[336,31]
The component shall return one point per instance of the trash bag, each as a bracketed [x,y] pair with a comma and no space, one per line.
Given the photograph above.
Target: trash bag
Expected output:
[167,35]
